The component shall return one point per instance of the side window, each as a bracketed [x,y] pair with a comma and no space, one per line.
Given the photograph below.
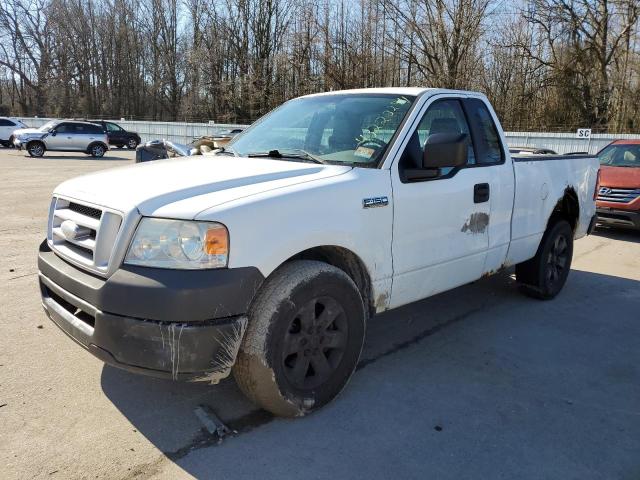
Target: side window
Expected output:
[64,128]
[442,116]
[6,123]
[112,127]
[93,129]
[485,134]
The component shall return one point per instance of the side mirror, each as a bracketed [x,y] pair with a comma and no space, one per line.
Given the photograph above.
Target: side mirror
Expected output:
[445,150]
[53,133]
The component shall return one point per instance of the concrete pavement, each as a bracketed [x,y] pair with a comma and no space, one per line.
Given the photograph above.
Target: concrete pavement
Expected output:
[479,382]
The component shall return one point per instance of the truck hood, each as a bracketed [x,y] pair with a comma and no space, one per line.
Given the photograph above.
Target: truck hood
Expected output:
[183,187]
[619,177]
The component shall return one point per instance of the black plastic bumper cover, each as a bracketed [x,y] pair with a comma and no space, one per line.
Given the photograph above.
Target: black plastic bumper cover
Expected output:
[167,323]
[619,218]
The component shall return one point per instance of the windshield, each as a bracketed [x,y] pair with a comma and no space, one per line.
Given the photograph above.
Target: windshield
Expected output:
[343,128]
[48,126]
[620,155]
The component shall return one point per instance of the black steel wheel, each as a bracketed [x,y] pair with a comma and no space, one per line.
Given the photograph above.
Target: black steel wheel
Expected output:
[303,341]
[557,260]
[545,274]
[314,343]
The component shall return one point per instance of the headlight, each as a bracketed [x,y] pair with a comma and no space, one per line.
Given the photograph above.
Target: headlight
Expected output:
[182,244]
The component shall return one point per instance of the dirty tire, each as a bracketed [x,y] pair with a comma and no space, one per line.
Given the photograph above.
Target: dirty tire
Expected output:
[303,340]
[36,149]
[545,274]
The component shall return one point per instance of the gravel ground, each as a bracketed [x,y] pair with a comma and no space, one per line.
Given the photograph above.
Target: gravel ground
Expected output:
[479,382]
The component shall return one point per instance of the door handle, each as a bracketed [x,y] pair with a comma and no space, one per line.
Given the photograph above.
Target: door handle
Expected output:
[481,192]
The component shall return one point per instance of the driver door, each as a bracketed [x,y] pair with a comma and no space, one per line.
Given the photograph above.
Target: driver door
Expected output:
[61,138]
[440,227]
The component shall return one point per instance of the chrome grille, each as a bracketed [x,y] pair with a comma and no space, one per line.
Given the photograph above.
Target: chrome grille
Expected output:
[83,234]
[618,195]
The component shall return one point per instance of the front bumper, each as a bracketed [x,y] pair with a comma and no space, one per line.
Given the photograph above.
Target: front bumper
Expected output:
[166,323]
[618,218]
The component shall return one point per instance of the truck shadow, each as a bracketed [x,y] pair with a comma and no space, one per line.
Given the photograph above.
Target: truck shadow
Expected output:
[447,327]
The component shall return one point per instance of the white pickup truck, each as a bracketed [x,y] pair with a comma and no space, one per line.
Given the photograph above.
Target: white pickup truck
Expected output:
[268,258]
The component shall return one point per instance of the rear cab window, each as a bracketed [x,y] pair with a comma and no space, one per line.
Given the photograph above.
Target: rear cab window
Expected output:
[484,133]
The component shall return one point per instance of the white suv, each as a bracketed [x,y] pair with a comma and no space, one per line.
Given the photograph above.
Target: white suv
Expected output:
[7,126]
[63,136]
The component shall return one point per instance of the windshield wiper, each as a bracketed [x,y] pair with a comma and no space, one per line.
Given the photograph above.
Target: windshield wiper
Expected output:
[227,151]
[296,153]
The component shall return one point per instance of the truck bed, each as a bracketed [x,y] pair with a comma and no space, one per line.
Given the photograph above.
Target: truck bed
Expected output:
[544,179]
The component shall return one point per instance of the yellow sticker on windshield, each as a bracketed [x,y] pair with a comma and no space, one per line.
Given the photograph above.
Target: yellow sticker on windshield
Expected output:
[364,152]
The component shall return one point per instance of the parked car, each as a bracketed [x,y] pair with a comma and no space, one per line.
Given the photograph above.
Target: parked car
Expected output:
[618,200]
[63,136]
[118,136]
[269,258]
[159,149]
[7,127]
[206,145]
[531,151]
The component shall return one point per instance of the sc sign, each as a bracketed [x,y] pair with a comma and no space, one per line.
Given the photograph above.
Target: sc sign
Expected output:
[583,133]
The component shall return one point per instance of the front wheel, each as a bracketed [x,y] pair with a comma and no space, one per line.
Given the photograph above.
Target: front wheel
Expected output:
[304,338]
[545,274]
[132,144]
[36,149]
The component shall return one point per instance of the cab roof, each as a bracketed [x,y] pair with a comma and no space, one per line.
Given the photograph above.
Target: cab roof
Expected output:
[412,91]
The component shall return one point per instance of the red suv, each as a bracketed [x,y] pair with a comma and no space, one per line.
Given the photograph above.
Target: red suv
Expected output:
[618,202]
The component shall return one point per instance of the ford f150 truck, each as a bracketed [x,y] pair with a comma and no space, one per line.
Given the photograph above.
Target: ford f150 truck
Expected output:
[268,258]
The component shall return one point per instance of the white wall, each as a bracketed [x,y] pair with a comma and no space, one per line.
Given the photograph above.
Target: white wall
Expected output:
[183,132]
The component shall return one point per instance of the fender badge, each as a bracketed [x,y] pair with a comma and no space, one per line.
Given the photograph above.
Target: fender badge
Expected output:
[375,202]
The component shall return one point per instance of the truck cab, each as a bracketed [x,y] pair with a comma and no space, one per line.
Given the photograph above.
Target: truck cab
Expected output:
[268,258]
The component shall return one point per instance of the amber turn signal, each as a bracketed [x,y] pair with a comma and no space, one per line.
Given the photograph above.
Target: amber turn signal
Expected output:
[216,241]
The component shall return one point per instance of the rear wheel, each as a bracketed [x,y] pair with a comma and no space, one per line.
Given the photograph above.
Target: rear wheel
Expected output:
[545,274]
[36,149]
[97,150]
[304,338]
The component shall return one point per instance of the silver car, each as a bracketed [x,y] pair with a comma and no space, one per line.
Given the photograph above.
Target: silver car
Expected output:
[63,136]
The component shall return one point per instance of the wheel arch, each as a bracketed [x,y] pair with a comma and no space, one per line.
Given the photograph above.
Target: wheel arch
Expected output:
[566,208]
[347,261]
[106,147]
[35,140]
